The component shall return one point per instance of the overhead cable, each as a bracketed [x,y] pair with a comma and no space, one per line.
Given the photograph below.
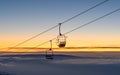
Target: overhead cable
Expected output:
[83,25]
[61,23]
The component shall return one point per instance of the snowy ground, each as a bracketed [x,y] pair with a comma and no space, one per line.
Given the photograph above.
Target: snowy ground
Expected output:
[62,64]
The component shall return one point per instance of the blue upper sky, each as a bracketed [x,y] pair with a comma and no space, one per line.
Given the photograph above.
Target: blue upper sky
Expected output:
[29,17]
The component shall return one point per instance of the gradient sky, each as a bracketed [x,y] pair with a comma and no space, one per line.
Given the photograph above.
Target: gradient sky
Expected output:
[21,19]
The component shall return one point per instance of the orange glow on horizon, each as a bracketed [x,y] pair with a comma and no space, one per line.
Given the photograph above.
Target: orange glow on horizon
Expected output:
[67,49]
[76,41]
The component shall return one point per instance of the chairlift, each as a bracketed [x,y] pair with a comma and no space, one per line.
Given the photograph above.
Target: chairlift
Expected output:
[61,38]
[49,52]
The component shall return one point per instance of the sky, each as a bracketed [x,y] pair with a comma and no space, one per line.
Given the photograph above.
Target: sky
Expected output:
[22,19]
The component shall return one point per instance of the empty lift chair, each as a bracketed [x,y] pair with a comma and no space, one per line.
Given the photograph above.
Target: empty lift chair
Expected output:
[61,38]
[49,52]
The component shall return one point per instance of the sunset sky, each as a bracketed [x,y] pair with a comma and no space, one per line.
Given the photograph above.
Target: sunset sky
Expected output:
[22,19]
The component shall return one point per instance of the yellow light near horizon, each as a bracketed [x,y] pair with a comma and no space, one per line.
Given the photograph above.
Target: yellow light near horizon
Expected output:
[69,44]
[76,41]
[63,50]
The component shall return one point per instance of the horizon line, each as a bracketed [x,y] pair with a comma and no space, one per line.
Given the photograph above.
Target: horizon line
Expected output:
[87,47]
